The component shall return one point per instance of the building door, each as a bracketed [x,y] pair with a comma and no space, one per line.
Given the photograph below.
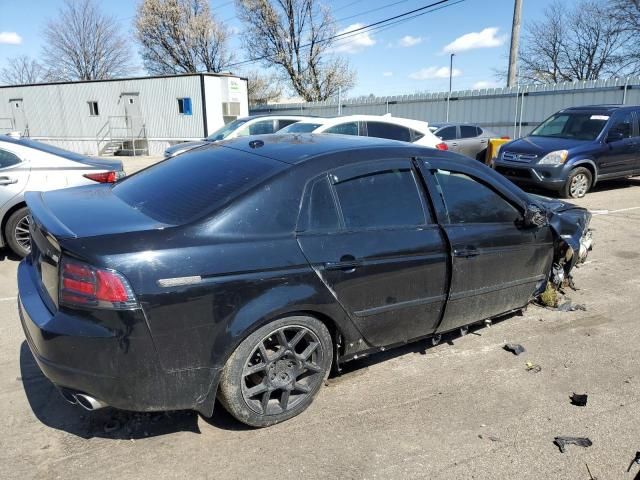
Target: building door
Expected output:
[133,115]
[19,118]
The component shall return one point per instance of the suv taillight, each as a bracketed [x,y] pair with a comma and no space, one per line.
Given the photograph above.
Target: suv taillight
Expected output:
[442,146]
[103,177]
[82,285]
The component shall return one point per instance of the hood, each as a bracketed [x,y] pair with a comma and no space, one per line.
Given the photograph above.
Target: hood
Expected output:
[184,147]
[86,211]
[103,163]
[540,146]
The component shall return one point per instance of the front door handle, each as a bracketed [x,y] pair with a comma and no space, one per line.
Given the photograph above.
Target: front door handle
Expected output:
[8,181]
[347,263]
[466,253]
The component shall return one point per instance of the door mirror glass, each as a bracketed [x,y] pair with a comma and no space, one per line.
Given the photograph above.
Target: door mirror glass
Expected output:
[534,217]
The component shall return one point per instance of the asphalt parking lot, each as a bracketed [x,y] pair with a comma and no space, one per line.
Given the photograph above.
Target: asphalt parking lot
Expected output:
[463,409]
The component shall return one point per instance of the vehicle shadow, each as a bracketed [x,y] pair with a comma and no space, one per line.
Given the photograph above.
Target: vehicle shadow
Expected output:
[52,410]
[602,186]
[8,255]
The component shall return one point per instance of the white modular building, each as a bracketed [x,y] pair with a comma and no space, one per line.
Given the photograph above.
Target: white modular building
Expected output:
[130,116]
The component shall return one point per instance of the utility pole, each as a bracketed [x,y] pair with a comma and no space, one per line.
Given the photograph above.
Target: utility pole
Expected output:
[515,42]
[450,82]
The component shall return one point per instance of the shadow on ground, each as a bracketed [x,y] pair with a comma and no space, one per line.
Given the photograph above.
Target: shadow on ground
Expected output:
[602,186]
[8,255]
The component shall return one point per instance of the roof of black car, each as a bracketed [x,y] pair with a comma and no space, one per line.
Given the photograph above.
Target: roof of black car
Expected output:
[600,108]
[295,148]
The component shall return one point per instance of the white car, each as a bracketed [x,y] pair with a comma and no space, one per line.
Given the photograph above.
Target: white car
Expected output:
[380,126]
[240,127]
[29,165]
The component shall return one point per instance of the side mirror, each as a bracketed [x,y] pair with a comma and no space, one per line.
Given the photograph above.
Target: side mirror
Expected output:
[614,136]
[534,217]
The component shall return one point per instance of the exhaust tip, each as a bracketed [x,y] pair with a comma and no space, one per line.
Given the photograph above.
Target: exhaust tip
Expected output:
[68,396]
[88,402]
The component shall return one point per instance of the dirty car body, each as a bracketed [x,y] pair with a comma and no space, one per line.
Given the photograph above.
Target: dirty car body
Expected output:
[381,242]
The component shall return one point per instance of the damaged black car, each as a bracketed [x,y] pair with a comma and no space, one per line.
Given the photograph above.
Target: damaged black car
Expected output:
[245,271]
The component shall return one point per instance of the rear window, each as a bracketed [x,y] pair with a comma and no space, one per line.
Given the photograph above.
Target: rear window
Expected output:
[45,147]
[192,185]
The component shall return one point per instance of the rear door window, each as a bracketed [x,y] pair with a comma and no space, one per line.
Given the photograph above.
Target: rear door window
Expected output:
[262,127]
[623,123]
[8,159]
[388,130]
[349,128]
[468,131]
[447,133]
[284,123]
[190,186]
[470,201]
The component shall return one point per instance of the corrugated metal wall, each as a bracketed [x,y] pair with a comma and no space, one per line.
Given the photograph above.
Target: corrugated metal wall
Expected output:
[506,111]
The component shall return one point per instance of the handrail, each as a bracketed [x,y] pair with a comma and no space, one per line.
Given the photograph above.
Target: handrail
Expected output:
[114,130]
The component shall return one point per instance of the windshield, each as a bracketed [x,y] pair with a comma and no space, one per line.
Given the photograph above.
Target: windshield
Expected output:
[227,130]
[300,127]
[578,126]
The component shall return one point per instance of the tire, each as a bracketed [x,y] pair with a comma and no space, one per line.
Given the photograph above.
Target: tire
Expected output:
[259,393]
[578,183]
[17,238]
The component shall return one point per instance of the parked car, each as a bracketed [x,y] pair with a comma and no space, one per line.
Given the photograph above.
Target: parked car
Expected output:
[467,139]
[385,126]
[245,270]
[241,127]
[29,165]
[574,149]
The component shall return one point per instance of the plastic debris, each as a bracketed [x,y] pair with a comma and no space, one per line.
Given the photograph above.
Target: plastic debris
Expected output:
[514,348]
[488,437]
[579,400]
[635,461]
[532,367]
[571,307]
[562,442]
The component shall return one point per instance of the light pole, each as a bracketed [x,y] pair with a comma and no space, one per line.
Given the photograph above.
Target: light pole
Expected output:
[450,82]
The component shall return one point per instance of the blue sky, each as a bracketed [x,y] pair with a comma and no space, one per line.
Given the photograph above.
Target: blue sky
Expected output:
[405,58]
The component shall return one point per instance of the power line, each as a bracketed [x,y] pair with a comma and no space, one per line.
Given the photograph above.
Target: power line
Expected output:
[371,27]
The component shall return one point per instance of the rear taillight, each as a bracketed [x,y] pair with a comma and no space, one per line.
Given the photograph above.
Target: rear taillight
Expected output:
[82,285]
[104,177]
[442,146]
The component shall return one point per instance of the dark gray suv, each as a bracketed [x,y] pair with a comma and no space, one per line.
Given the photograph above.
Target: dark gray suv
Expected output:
[575,148]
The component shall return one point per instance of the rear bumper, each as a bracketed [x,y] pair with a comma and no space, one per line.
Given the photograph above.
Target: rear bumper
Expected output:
[552,178]
[109,355]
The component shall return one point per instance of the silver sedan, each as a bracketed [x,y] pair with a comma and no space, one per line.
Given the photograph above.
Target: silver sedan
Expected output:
[467,139]
[29,165]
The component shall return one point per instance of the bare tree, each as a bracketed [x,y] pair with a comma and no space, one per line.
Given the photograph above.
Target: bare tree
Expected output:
[582,43]
[262,87]
[295,35]
[22,70]
[83,43]
[181,36]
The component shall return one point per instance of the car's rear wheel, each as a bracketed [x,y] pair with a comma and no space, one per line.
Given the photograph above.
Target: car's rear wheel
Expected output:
[16,232]
[578,183]
[276,371]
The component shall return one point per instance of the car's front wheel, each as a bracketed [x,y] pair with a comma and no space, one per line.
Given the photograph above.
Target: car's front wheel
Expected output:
[578,183]
[17,234]
[276,371]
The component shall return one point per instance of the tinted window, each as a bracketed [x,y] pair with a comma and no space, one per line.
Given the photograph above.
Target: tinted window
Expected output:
[262,127]
[447,133]
[416,135]
[226,130]
[322,213]
[350,128]
[187,187]
[285,123]
[381,199]
[300,127]
[8,159]
[581,126]
[388,130]
[469,201]
[480,131]
[468,131]
[622,124]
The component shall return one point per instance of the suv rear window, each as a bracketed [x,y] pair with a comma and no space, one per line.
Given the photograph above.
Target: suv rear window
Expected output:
[188,187]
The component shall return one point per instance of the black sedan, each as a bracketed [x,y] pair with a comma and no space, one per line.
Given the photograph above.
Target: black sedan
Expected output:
[246,270]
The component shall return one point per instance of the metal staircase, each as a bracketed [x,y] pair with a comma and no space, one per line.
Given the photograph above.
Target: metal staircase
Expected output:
[122,135]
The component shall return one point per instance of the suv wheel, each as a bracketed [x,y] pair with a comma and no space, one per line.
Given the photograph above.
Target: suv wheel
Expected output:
[17,234]
[578,183]
[276,371]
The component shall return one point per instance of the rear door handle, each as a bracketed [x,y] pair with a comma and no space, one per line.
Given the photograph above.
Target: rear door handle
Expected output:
[454,144]
[466,253]
[8,181]
[348,263]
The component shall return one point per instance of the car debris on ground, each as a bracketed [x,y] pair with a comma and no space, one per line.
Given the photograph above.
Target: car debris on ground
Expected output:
[562,442]
[532,367]
[635,461]
[514,348]
[579,400]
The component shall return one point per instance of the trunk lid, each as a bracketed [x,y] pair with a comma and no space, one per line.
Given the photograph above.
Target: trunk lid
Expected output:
[104,163]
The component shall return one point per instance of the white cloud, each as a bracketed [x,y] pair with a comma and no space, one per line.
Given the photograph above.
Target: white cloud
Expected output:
[434,72]
[484,84]
[409,41]
[485,39]
[387,74]
[10,38]
[354,43]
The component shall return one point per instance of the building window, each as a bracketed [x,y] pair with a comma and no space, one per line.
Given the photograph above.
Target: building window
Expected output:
[93,109]
[184,106]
